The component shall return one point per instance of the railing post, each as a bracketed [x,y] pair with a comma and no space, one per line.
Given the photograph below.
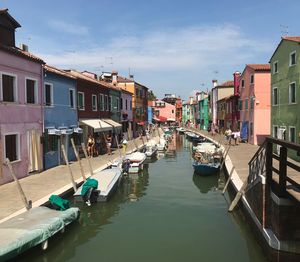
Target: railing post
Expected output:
[269,162]
[282,170]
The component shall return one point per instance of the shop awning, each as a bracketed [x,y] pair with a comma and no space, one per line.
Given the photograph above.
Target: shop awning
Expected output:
[77,130]
[171,119]
[160,119]
[54,131]
[113,123]
[67,131]
[97,124]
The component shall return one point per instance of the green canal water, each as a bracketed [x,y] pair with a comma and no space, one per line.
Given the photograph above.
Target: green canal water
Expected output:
[164,214]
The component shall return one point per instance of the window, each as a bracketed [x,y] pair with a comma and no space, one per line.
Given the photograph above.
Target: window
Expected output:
[72,98]
[292,58]
[51,143]
[118,103]
[106,103]
[94,102]
[251,129]
[292,93]
[80,101]
[130,103]
[275,131]
[121,103]
[8,88]
[48,94]
[12,147]
[110,103]
[101,102]
[240,105]
[243,83]
[172,111]
[126,106]
[31,91]
[252,102]
[251,79]
[292,134]
[275,96]
[275,67]
[246,104]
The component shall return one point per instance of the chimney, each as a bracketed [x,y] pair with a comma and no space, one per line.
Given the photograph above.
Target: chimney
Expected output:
[236,81]
[215,82]
[131,77]
[24,47]
[114,77]
[8,25]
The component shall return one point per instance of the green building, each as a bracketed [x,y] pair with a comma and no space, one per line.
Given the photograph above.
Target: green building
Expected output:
[285,80]
[203,111]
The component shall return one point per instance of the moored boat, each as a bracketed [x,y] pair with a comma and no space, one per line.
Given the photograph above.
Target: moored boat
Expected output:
[151,148]
[206,163]
[136,160]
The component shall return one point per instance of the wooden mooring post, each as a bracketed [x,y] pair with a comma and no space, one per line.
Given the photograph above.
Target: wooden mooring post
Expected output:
[238,196]
[224,156]
[78,159]
[28,204]
[228,180]
[70,170]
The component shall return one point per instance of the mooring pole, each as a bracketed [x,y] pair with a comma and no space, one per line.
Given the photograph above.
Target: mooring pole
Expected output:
[78,159]
[70,170]
[86,156]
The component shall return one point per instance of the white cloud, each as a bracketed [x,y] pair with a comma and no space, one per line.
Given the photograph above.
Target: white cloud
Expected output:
[180,54]
[68,28]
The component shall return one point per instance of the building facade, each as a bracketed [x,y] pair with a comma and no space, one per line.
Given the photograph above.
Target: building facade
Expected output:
[60,116]
[285,91]
[255,98]
[21,104]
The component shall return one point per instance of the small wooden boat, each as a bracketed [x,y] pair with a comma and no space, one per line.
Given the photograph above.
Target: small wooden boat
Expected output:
[151,148]
[136,161]
[206,164]
[162,145]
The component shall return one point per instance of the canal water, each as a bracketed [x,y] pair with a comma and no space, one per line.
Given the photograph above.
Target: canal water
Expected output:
[164,214]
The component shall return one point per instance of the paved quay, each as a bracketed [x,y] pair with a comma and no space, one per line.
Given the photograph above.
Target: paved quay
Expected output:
[38,187]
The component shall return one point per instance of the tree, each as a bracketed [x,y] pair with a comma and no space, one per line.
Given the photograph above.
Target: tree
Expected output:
[151,96]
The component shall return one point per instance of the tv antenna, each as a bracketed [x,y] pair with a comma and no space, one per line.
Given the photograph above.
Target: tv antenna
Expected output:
[284,29]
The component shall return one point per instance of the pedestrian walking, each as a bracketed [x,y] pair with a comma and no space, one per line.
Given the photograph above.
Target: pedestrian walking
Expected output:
[90,146]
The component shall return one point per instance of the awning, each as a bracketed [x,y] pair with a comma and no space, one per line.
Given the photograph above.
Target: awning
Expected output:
[97,124]
[54,131]
[77,130]
[160,119]
[112,123]
[171,119]
[67,131]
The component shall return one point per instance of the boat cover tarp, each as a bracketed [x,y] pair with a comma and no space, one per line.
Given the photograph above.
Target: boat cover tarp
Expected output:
[90,182]
[32,228]
[56,200]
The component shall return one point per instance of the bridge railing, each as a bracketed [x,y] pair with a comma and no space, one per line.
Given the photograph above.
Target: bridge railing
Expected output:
[272,159]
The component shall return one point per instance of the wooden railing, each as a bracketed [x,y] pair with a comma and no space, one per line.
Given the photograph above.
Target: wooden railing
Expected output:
[264,163]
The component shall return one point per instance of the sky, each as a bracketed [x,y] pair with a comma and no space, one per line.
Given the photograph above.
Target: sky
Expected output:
[172,47]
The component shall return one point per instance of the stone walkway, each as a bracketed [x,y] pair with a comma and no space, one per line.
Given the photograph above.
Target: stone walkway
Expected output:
[39,187]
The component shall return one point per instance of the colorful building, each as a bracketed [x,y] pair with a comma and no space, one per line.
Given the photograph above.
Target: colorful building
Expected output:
[174,100]
[126,109]
[203,103]
[163,111]
[21,104]
[60,116]
[254,103]
[285,82]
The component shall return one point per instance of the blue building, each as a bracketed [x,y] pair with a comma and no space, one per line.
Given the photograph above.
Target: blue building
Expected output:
[60,116]
[150,115]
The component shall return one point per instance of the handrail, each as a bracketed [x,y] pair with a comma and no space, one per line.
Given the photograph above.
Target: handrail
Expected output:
[262,147]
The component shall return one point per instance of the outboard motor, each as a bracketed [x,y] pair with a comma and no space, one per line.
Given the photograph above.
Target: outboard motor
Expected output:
[89,191]
[125,166]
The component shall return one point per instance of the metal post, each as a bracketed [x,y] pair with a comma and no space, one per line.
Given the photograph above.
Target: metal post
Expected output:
[70,170]
[28,204]
[282,170]
[78,159]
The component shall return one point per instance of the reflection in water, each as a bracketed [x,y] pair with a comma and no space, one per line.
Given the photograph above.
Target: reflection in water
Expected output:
[206,183]
[165,220]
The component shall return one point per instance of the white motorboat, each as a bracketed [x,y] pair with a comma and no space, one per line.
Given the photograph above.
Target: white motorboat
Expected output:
[107,182]
[206,147]
[136,160]
[192,135]
[162,145]
[180,130]
[151,148]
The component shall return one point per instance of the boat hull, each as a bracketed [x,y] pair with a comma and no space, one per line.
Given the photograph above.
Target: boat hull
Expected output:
[206,169]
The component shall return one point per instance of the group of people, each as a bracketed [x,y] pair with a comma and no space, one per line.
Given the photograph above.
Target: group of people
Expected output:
[94,145]
[232,135]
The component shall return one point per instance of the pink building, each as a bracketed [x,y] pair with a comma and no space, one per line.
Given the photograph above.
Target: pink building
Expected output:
[164,112]
[126,109]
[254,103]
[21,100]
